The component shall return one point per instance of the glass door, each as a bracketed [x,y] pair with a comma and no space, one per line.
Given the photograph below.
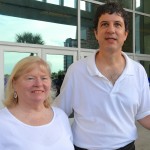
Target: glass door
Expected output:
[59,61]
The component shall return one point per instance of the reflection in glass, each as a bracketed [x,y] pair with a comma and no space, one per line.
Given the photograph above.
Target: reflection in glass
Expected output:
[142,34]
[53,1]
[87,33]
[51,33]
[146,65]
[142,6]
[125,3]
[9,63]
[55,23]
[56,2]
[56,62]
[128,45]
[59,65]
[69,3]
[83,5]
[59,62]
[138,3]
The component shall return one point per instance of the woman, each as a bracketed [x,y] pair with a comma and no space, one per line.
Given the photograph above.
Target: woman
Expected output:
[28,122]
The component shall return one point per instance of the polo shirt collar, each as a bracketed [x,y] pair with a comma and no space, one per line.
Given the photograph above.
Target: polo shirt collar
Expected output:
[91,65]
[129,68]
[93,71]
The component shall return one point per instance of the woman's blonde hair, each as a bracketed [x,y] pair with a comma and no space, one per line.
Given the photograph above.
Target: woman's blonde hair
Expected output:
[23,66]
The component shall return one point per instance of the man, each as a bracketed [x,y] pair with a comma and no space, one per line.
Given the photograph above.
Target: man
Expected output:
[107,91]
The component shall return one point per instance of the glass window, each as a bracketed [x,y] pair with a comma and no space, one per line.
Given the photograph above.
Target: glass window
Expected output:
[87,33]
[69,3]
[128,45]
[56,2]
[125,3]
[10,59]
[53,1]
[83,5]
[55,24]
[142,6]
[142,34]
[146,65]
[59,65]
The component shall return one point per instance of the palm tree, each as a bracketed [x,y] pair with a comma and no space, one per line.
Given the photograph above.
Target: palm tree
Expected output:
[28,37]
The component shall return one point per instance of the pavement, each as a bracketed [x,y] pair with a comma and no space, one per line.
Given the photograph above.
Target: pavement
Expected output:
[143,141]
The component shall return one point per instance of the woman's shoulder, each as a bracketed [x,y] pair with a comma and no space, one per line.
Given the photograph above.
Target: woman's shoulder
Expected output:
[60,116]
[3,111]
[58,111]
[4,115]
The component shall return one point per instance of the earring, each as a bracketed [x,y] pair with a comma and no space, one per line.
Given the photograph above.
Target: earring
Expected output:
[15,95]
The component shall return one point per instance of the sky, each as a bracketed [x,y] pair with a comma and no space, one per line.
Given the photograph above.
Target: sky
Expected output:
[56,62]
[52,33]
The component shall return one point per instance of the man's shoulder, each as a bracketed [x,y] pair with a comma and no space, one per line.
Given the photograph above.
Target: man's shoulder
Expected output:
[79,64]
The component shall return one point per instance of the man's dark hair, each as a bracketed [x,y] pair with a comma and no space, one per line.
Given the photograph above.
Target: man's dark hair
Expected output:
[110,8]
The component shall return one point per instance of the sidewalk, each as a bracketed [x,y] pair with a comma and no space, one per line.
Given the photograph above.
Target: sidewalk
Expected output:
[143,142]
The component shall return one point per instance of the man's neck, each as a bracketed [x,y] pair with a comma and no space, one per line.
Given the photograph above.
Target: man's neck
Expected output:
[110,65]
[108,58]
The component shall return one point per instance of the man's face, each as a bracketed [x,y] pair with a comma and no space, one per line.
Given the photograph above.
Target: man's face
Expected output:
[111,32]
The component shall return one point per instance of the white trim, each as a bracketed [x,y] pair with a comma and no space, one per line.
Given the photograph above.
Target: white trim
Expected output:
[1,77]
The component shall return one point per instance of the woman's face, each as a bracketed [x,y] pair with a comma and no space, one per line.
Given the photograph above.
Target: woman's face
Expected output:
[33,87]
